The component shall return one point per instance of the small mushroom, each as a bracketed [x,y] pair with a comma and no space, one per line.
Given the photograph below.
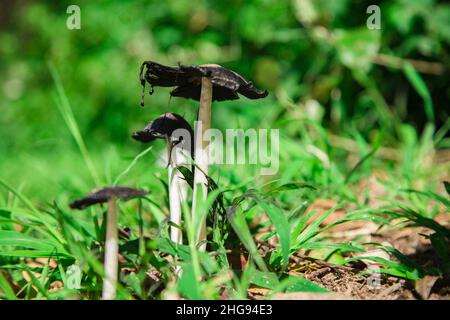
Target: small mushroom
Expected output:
[109,195]
[168,126]
[178,134]
[105,194]
[204,83]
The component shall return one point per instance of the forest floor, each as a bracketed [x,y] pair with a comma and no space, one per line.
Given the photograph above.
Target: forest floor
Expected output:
[348,282]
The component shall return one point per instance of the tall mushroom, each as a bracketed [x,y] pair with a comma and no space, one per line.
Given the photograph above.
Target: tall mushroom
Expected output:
[178,134]
[204,83]
[109,195]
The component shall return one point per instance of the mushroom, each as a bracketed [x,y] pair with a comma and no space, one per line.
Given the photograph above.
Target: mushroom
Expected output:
[188,81]
[178,133]
[109,195]
[204,83]
[168,126]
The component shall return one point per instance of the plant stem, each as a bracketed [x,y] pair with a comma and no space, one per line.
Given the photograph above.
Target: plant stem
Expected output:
[175,197]
[111,252]
[201,157]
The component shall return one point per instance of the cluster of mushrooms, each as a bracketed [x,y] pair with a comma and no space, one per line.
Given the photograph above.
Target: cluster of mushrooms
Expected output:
[203,83]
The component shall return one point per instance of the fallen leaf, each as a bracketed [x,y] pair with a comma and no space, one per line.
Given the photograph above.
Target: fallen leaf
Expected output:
[423,286]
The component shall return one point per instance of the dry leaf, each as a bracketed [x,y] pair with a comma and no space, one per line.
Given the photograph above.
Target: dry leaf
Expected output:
[423,286]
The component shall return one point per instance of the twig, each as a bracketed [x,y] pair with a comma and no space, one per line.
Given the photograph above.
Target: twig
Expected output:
[434,68]
[351,146]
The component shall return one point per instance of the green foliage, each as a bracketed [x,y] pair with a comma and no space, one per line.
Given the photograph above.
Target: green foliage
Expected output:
[353,105]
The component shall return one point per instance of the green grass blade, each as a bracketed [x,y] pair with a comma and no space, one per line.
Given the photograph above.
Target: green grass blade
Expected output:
[282,227]
[67,114]
[188,284]
[421,88]
[131,165]
[14,238]
[33,254]
[6,288]
[430,195]
[20,196]
[298,284]
[447,187]
[375,148]
[312,230]
[239,225]
[268,280]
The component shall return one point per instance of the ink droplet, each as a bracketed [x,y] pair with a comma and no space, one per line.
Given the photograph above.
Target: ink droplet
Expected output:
[143,93]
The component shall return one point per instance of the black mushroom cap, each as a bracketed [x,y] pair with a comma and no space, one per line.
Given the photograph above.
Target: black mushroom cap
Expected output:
[187,80]
[105,194]
[162,127]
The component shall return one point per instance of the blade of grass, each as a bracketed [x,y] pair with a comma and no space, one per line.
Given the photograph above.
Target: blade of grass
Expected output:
[312,230]
[6,288]
[298,284]
[375,148]
[37,286]
[430,195]
[240,226]
[447,187]
[421,88]
[43,277]
[282,227]
[14,238]
[33,254]
[131,165]
[67,114]
[394,268]
[53,232]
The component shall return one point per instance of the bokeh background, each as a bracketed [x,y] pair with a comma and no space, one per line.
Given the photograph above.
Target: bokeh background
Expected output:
[334,85]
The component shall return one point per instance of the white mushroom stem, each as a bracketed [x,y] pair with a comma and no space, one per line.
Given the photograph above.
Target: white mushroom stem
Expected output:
[111,252]
[177,194]
[201,157]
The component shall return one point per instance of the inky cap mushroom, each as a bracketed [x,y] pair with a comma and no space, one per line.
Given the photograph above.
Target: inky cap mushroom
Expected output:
[165,127]
[105,194]
[187,80]
[162,127]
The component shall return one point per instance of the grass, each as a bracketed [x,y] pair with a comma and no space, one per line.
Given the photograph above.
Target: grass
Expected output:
[40,239]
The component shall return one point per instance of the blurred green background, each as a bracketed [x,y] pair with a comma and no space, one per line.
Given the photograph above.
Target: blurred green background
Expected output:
[317,58]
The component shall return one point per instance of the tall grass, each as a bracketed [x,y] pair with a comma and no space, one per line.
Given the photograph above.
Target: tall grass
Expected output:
[66,112]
